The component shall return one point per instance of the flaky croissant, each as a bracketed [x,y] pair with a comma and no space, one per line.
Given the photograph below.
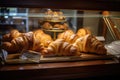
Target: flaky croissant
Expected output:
[9,36]
[68,36]
[83,31]
[17,44]
[29,41]
[65,35]
[47,25]
[61,48]
[63,26]
[90,44]
[71,39]
[44,38]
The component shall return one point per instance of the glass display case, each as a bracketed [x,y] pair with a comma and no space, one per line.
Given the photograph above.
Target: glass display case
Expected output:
[66,40]
[57,34]
[13,18]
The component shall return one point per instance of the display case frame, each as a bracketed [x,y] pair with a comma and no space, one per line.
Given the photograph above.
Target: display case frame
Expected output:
[112,5]
[96,69]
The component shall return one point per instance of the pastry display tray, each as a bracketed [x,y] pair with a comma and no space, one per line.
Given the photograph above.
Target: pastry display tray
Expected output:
[14,58]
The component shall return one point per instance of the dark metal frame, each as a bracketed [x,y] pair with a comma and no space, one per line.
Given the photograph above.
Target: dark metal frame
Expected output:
[110,5]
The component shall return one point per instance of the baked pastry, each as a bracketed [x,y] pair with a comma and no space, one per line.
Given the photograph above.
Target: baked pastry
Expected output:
[44,38]
[90,44]
[57,26]
[68,36]
[61,26]
[54,15]
[65,35]
[13,34]
[19,43]
[83,32]
[47,25]
[48,14]
[61,16]
[60,48]
[37,45]
[65,26]
[35,41]
[72,38]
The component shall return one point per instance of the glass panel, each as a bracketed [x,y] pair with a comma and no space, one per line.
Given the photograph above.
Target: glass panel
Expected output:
[104,25]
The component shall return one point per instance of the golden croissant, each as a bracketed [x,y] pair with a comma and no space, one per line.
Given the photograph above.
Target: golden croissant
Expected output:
[36,41]
[61,48]
[68,36]
[44,38]
[65,35]
[47,25]
[83,31]
[90,44]
[9,36]
[19,43]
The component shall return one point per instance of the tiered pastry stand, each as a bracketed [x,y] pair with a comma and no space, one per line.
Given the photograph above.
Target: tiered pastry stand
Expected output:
[55,30]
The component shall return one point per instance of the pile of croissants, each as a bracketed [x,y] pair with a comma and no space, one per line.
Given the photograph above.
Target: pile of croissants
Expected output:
[48,25]
[67,43]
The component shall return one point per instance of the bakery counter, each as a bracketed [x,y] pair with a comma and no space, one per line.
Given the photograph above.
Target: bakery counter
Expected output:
[62,70]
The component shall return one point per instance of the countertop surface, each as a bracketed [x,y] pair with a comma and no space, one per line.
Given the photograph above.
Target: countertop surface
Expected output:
[61,70]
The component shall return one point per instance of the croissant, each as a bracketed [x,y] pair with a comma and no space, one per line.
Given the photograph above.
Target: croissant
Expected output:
[72,38]
[13,34]
[90,44]
[68,36]
[17,44]
[36,39]
[83,32]
[29,41]
[56,26]
[44,38]
[63,26]
[47,25]
[61,48]
[65,35]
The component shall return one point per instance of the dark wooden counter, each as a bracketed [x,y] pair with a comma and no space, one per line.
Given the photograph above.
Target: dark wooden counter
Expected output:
[62,70]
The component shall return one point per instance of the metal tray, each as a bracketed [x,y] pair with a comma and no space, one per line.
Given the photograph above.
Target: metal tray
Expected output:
[14,58]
